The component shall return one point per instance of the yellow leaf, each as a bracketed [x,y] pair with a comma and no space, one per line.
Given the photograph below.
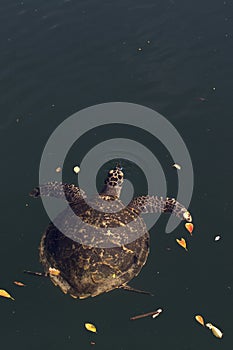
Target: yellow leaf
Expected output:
[90,327]
[20,284]
[182,243]
[189,226]
[4,294]
[216,332]
[54,272]
[76,169]
[200,319]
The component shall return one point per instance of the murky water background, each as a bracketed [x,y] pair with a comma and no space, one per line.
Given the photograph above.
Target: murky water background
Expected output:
[58,57]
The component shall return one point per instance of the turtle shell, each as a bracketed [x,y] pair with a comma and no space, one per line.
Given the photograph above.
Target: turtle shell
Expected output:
[98,247]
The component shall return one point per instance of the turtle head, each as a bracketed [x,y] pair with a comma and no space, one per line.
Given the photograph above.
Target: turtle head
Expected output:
[114,182]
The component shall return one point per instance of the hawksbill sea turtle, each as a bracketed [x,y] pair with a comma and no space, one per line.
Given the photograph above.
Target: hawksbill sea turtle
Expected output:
[109,243]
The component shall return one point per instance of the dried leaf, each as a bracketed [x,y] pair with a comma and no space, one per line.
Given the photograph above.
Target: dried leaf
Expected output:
[200,319]
[90,327]
[177,166]
[182,243]
[58,169]
[5,294]
[20,284]
[54,272]
[189,226]
[216,332]
[76,169]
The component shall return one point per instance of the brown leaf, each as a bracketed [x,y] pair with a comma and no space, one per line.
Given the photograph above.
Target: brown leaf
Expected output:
[20,284]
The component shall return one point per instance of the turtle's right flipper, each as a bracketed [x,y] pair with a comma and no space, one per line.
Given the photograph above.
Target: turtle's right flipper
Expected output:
[58,190]
[131,289]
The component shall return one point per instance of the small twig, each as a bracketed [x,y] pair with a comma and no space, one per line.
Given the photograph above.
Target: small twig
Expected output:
[145,315]
[35,273]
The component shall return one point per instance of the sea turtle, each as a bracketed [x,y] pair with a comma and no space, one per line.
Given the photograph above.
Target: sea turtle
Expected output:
[107,246]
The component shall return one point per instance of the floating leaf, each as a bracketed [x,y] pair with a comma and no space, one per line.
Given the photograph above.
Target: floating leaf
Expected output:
[58,169]
[90,327]
[182,243]
[177,166]
[216,332]
[54,272]
[5,294]
[189,226]
[200,319]
[76,169]
[20,284]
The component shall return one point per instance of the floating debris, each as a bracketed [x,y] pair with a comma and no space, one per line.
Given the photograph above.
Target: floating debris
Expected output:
[189,227]
[58,169]
[200,320]
[216,332]
[217,238]
[148,41]
[54,272]
[20,284]
[92,343]
[187,216]
[177,166]
[42,274]
[182,243]
[90,327]
[151,313]
[158,312]
[139,49]
[76,169]
[5,294]
[202,99]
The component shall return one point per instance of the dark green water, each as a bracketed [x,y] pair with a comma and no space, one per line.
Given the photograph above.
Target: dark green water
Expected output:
[58,57]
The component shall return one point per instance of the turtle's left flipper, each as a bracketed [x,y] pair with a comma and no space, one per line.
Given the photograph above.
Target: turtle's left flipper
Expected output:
[58,190]
[131,289]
